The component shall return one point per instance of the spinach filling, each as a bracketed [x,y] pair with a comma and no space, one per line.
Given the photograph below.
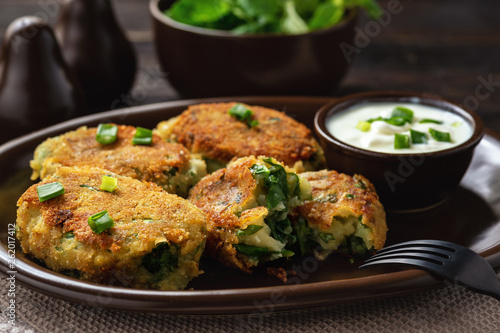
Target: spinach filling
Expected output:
[280,187]
[163,259]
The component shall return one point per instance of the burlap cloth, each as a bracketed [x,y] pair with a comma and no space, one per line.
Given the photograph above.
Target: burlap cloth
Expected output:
[448,309]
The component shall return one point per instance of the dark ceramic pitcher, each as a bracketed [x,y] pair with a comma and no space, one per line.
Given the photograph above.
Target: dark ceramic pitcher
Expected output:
[36,87]
[96,48]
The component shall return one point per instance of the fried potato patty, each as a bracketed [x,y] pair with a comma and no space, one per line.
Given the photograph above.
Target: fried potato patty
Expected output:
[345,213]
[209,129]
[247,206]
[169,165]
[156,241]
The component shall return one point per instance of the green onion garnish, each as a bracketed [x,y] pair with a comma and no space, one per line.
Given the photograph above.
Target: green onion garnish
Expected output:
[108,183]
[364,126]
[401,141]
[418,137]
[399,116]
[402,112]
[100,222]
[106,133]
[440,136]
[249,230]
[143,136]
[240,112]
[430,121]
[49,191]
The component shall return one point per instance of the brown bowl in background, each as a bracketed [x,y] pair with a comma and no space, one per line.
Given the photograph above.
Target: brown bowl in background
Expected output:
[404,182]
[203,62]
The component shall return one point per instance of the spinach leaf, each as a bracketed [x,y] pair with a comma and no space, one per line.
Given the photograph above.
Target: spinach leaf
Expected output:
[161,258]
[327,14]
[249,230]
[266,16]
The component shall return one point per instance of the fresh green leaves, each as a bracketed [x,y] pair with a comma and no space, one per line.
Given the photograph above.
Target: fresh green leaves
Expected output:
[266,16]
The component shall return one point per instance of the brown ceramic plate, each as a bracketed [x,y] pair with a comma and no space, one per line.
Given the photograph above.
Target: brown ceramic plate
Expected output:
[470,217]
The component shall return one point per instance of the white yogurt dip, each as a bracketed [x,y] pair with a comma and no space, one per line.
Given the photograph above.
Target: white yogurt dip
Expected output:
[352,127]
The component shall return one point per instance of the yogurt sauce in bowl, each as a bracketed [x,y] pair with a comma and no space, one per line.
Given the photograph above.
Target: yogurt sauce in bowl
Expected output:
[399,128]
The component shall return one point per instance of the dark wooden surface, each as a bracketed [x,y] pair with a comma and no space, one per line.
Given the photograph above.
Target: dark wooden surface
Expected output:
[444,47]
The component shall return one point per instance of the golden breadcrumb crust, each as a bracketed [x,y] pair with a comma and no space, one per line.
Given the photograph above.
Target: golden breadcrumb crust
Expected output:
[227,198]
[334,194]
[57,230]
[209,130]
[157,162]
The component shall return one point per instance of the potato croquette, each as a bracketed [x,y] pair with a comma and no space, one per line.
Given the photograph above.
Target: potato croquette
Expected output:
[344,215]
[156,241]
[169,165]
[247,206]
[210,130]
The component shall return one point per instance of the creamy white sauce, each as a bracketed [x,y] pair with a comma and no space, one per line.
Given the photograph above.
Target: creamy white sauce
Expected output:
[380,137]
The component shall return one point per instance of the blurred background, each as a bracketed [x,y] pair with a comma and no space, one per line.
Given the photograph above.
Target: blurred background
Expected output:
[444,47]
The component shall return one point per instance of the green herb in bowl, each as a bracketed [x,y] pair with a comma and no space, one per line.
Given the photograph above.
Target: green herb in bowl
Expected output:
[266,16]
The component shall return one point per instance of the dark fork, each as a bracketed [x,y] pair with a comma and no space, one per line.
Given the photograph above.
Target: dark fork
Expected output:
[454,262]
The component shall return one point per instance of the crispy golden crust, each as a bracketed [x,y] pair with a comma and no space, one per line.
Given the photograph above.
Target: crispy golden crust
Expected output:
[208,129]
[227,198]
[156,163]
[144,216]
[337,194]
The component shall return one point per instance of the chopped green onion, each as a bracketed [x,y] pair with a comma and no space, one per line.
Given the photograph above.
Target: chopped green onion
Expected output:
[249,230]
[143,136]
[106,133]
[364,126]
[418,137]
[350,196]
[396,121]
[240,112]
[100,222]
[457,124]
[401,141]
[440,136]
[430,121]
[250,250]
[326,236]
[402,112]
[108,183]
[49,191]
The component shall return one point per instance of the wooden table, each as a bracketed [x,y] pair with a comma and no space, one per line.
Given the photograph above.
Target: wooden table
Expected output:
[443,47]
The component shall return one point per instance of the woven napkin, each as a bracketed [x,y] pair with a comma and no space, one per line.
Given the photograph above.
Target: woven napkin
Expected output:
[448,309]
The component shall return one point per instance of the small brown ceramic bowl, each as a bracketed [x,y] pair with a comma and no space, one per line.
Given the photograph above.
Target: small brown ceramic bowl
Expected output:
[404,182]
[203,62]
